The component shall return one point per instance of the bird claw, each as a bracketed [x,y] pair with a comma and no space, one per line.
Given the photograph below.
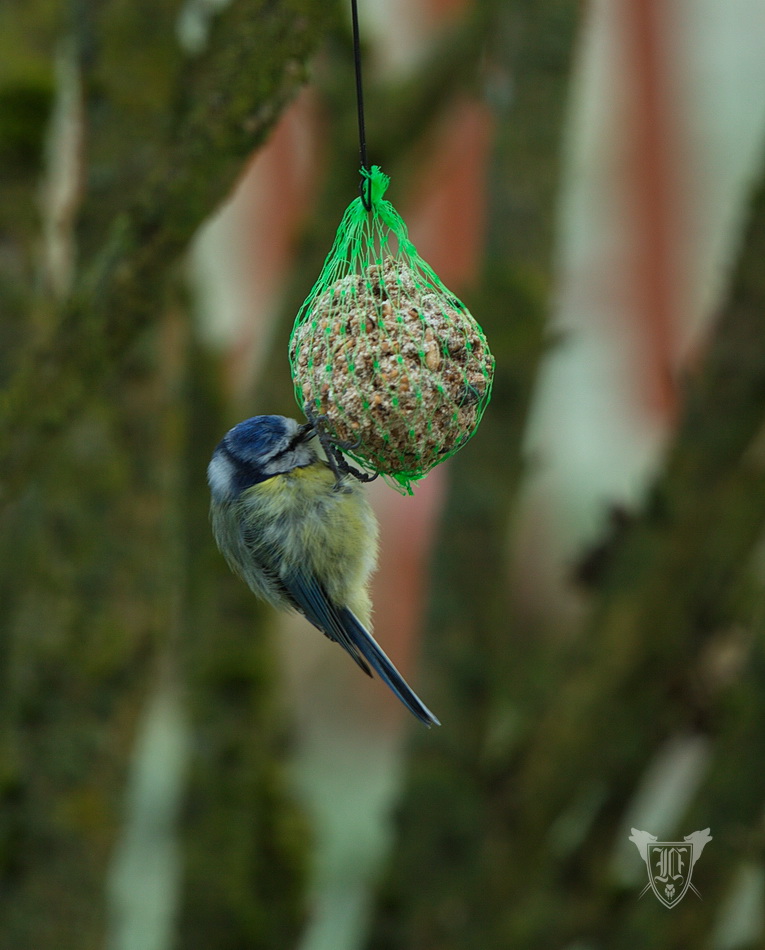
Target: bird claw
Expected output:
[334,448]
[347,446]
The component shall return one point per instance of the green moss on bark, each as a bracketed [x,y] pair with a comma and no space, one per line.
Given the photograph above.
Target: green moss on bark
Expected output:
[105,548]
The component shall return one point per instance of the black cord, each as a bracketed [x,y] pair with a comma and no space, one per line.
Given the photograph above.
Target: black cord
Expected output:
[365,185]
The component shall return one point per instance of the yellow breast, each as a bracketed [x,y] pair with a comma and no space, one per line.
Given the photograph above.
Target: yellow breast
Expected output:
[330,532]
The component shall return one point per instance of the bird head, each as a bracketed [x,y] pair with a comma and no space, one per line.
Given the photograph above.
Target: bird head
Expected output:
[258,449]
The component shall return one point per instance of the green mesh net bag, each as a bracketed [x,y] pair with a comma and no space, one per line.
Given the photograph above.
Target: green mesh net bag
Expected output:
[393,361]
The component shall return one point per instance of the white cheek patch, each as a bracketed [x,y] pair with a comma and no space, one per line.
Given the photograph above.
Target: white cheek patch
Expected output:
[219,473]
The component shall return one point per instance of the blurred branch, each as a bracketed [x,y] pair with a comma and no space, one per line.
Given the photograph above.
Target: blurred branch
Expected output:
[26,87]
[222,103]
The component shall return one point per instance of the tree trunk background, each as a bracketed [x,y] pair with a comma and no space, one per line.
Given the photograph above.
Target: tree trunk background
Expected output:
[109,580]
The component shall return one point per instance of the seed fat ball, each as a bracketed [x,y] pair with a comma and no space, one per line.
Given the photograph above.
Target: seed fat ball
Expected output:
[399,368]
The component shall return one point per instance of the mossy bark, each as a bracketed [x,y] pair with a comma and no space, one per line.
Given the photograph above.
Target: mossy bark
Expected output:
[107,568]
[681,595]
[157,169]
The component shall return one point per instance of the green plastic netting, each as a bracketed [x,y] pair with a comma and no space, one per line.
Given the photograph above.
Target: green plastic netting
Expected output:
[390,357]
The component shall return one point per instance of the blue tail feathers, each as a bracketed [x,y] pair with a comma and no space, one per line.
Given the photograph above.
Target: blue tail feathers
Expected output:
[375,656]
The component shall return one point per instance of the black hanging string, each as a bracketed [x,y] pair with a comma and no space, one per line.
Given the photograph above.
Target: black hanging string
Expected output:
[365,184]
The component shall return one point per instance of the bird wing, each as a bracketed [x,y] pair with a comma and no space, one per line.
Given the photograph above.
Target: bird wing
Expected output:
[300,591]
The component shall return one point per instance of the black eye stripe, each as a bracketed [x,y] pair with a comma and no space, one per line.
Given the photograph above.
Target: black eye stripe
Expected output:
[294,442]
[289,447]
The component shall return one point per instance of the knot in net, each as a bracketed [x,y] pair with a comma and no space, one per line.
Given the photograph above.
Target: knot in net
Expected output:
[395,362]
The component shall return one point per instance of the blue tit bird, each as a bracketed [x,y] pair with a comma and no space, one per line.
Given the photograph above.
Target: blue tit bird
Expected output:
[301,535]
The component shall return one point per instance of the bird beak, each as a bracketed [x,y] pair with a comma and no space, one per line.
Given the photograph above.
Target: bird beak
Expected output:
[305,432]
